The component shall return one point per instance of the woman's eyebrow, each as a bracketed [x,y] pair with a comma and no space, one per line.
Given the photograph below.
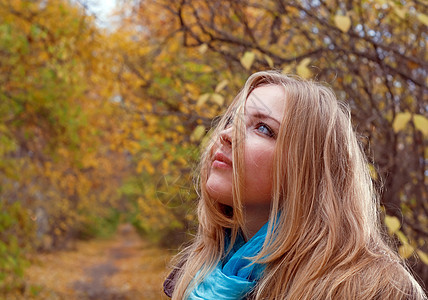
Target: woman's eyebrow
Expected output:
[260,115]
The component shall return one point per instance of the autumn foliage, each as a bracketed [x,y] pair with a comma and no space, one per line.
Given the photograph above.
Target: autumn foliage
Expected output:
[100,125]
[60,172]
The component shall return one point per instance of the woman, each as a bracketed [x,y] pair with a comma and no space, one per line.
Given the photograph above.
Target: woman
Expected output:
[287,209]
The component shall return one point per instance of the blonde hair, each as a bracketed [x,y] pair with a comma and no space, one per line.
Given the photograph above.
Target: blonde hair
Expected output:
[327,243]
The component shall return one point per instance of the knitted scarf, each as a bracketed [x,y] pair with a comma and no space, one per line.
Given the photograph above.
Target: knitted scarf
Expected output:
[235,275]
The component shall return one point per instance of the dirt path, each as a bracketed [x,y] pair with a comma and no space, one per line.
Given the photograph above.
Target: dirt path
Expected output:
[95,286]
[124,267]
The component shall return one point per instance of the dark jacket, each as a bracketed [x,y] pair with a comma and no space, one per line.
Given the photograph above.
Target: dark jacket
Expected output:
[169,283]
[171,280]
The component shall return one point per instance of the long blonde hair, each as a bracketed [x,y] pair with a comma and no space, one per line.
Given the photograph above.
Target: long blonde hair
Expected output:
[327,243]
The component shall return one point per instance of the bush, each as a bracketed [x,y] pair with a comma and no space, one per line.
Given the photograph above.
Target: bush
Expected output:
[99,226]
[16,232]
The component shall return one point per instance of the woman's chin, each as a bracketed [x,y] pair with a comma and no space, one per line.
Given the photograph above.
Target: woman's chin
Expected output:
[219,189]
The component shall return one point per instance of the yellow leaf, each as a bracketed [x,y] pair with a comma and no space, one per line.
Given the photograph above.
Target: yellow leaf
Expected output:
[140,166]
[401,12]
[401,120]
[373,173]
[182,161]
[421,123]
[286,70]
[392,223]
[423,256]
[423,18]
[202,99]
[406,250]
[57,231]
[180,128]
[203,48]
[150,168]
[403,239]
[165,165]
[342,22]
[247,59]
[221,85]
[302,68]
[217,98]
[134,147]
[269,61]
[206,139]
[193,89]
[207,69]
[198,133]
[189,217]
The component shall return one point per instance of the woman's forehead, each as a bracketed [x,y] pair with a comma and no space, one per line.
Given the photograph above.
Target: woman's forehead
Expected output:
[268,100]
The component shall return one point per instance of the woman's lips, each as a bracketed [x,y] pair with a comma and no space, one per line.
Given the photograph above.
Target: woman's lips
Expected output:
[221,161]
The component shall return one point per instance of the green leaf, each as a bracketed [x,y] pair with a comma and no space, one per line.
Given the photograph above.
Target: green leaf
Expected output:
[400,121]
[342,22]
[247,59]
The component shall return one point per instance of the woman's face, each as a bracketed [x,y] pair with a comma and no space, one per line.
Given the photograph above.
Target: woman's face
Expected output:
[263,113]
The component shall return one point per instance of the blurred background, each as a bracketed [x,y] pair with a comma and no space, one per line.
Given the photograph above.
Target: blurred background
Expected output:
[104,106]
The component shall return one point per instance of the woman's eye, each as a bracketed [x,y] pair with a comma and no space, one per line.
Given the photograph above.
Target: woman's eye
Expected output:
[228,122]
[265,129]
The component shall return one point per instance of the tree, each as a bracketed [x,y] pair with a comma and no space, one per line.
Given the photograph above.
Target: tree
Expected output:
[373,54]
[60,167]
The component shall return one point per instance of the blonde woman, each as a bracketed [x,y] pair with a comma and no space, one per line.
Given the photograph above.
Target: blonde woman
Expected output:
[287,209]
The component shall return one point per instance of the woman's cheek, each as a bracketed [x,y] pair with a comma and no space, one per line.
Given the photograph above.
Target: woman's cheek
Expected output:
[259,173]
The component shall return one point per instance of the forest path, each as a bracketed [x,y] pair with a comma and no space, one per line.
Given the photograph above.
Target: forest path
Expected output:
[124,267]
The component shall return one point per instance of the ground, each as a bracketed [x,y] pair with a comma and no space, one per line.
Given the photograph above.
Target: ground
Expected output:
[124,267]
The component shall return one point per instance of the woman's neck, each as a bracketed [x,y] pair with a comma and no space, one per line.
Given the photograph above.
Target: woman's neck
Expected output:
[255,217]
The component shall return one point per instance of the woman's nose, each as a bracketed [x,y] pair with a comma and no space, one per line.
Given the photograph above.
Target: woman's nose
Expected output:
[225,137]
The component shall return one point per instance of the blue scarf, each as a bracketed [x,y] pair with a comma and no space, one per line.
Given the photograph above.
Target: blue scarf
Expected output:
[234,277]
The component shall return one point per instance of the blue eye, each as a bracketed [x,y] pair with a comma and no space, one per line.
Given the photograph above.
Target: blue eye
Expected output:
[265,129]
[228,122]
